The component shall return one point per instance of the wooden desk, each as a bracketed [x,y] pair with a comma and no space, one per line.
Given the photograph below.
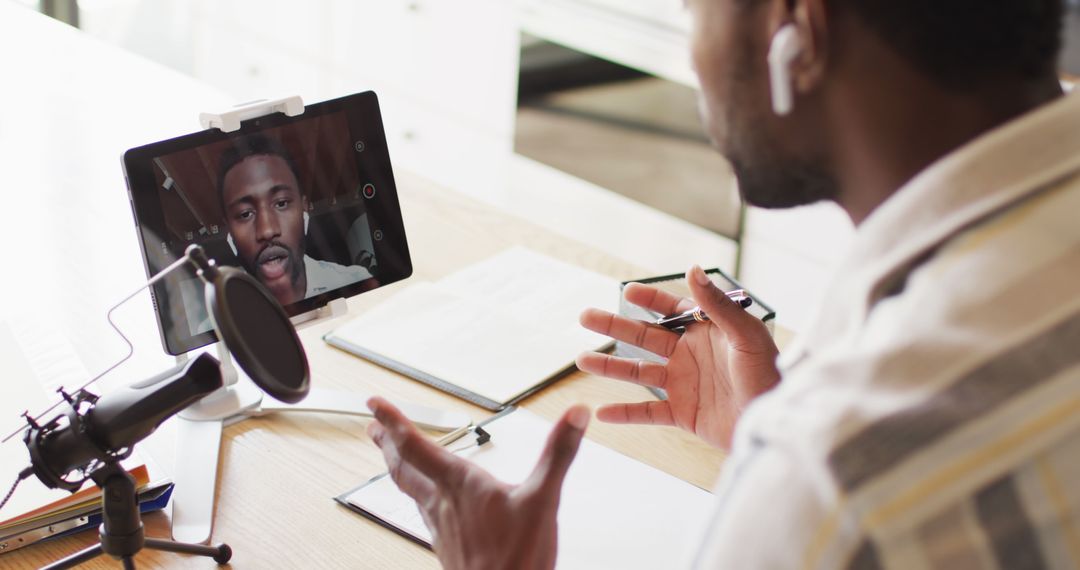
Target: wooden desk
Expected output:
[67,113]
[279,473]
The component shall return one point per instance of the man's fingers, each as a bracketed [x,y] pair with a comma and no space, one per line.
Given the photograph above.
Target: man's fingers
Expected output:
[725,313]
[408,478]
[653,413]
[559,452]
[656,300]
[633,370]
[652,338]
[410,445]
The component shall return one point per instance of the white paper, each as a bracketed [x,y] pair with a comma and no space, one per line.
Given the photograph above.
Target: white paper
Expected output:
[34,360]
[496,328]
[22,391]
[615,512]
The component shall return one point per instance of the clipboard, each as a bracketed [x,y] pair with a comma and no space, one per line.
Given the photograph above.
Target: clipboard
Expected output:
[445,441]
[614,510]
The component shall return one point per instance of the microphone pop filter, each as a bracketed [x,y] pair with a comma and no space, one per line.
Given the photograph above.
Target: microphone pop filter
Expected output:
[259,334]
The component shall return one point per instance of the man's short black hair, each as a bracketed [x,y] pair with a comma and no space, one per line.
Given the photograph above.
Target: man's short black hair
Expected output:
[966,43]
[242,148]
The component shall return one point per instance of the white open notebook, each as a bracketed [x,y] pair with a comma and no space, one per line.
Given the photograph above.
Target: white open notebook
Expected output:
[615,512]
[492,332]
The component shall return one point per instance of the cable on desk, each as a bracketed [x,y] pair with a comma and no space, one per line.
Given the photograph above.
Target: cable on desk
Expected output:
[22,475]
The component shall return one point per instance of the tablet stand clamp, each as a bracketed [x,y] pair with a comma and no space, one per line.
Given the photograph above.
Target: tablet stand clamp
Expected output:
[200,426]
[229,121]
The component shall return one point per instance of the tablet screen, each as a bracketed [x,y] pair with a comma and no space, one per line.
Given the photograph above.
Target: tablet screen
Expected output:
[306,204]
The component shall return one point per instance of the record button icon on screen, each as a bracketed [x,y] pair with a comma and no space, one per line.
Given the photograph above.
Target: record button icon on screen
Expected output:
[359,146]
[369,191]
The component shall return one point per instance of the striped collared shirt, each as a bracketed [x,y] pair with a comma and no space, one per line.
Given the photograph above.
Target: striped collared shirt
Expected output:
[930,415]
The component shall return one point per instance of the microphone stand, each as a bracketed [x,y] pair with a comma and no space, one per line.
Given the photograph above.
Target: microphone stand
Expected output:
[122,535]
[199,428]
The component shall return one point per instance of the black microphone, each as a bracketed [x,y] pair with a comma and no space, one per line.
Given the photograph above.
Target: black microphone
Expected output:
[96,430]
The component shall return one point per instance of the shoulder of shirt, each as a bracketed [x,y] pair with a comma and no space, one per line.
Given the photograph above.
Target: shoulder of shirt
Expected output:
[967,311]
[337,268]
[1005,280]
[967,351]
[945,377]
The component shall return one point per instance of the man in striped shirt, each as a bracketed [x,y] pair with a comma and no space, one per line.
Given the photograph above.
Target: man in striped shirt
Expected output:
[930,415]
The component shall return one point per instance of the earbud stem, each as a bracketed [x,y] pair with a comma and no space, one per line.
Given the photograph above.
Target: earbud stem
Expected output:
[782,52]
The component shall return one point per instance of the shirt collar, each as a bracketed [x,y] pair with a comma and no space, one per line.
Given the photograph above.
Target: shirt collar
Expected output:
[309,271]
[985,176]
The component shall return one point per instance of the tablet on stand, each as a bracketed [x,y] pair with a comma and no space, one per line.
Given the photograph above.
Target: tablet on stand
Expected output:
[301,198]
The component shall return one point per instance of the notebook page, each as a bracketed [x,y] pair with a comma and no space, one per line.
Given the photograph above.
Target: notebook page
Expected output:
[552,292]
[461,341]
[22,391]
[496,328]
[615,512]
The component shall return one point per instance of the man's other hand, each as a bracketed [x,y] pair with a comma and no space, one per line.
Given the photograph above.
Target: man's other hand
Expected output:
[475,520]
[713,370]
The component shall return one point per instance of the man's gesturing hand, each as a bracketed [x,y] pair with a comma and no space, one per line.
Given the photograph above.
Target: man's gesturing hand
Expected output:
[475,520]
[713,370]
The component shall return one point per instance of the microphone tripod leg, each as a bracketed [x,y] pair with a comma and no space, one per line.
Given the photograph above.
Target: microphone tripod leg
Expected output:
[195,476]
[75,559]
[221,553]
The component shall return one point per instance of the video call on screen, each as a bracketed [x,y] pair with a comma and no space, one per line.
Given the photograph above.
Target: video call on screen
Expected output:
[288,204]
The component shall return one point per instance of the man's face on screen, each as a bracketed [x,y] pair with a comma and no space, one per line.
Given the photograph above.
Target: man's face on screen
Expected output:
[265,213]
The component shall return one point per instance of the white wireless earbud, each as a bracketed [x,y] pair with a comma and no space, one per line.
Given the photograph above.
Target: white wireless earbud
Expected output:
[307,218]
[783,50]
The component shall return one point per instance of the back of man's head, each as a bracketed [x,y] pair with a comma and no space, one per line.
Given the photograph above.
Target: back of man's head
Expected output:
[965,44]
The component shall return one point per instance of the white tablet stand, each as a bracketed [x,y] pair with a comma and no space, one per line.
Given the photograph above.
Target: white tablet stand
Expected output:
[199,433]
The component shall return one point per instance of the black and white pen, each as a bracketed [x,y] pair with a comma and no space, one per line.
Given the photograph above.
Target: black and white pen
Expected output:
[697,315]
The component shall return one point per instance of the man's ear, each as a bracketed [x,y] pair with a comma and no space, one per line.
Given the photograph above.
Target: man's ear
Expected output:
[798,49]
[811,20]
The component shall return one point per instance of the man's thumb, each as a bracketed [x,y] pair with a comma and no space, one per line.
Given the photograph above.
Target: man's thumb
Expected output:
[727,314]
[560,450]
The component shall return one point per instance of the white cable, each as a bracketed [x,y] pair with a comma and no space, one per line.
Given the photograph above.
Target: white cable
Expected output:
[130,348]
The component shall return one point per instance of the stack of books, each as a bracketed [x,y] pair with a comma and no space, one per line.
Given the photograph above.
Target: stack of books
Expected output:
[34,512]
[77,512]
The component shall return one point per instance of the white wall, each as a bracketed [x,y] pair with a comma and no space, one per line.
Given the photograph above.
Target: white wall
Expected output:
[788,256]
[446,73]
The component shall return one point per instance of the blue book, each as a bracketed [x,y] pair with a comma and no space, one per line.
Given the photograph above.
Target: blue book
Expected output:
[152,498]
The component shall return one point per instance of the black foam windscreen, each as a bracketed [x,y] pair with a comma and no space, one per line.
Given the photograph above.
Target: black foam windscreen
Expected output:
[259,335]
